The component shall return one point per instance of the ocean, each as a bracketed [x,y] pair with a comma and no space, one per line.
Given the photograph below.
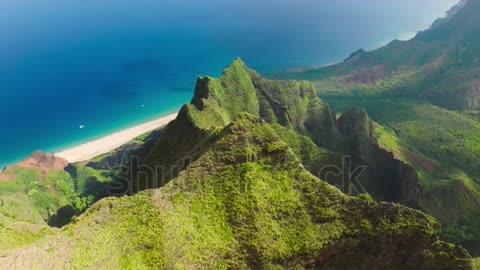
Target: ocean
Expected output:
[73,71]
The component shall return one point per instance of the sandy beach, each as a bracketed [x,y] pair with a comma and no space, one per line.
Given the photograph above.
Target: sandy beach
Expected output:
[111,142]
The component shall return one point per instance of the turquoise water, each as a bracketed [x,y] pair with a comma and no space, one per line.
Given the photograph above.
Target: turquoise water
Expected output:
[64,64]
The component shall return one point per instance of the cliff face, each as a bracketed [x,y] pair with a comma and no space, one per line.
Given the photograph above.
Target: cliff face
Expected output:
[245,203]
[386,177]
[426,92]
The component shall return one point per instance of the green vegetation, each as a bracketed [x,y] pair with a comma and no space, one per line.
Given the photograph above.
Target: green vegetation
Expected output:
[47,193]
[476,263]
[440,134]
[17,207]
[245,203]
[18,235]
[410,88]
[309,127]
[444,148]
[242,195]
[424,94]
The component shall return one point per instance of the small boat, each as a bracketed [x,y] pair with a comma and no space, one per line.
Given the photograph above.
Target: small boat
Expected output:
[81,126]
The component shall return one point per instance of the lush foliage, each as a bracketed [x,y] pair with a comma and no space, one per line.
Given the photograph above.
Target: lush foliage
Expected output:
[244,199]
[246,203]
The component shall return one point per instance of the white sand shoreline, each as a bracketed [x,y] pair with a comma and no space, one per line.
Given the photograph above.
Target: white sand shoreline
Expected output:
[111,142]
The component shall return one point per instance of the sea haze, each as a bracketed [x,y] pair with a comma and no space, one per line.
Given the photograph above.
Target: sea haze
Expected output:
[107,65]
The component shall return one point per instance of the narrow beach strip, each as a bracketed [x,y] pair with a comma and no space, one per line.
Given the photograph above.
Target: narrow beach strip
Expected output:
[111,142]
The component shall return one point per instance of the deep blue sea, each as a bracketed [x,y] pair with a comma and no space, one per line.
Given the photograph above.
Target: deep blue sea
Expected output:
[112,64]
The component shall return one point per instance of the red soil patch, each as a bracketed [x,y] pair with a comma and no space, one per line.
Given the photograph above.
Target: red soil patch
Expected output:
[367,76]
[423,163]
[4,177]
[43,162]
[40,161]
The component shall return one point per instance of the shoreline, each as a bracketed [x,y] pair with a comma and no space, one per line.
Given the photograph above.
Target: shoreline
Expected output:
[111,142]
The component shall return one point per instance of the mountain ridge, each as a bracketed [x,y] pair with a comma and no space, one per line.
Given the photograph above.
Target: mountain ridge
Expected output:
[215,147]
[438,65]
[425,93]
[294,221]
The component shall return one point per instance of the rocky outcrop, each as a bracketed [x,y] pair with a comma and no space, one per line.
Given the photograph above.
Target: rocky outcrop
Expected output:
[357,128]
[43,161]
[384,177]
[389,179]
[38,161]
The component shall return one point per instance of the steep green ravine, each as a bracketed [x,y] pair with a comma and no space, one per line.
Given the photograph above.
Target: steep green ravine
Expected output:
[425,93]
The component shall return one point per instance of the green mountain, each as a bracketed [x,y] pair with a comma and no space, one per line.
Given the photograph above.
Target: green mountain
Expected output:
[234,183]
[439,65]
[425,92]
[299,117]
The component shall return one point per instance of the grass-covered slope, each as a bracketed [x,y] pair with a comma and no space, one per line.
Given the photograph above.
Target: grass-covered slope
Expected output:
[425,94]
[40,191]
[440,65]
[443,147]
[245,203]
[239,193]
[293,106]
[43,191]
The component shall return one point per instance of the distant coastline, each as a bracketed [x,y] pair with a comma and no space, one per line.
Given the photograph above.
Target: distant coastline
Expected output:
[111,142]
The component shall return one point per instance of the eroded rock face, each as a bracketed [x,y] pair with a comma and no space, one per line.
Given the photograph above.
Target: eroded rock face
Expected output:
[44,160]
[384,177]
[389,179]
[355,122]
[357,129]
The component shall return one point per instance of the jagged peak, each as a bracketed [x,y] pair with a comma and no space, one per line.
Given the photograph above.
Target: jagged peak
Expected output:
[229,95]
[450,13]
[237,70]
[357,53]
[235,66]
[202,91]
[355,122]
[238,62]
